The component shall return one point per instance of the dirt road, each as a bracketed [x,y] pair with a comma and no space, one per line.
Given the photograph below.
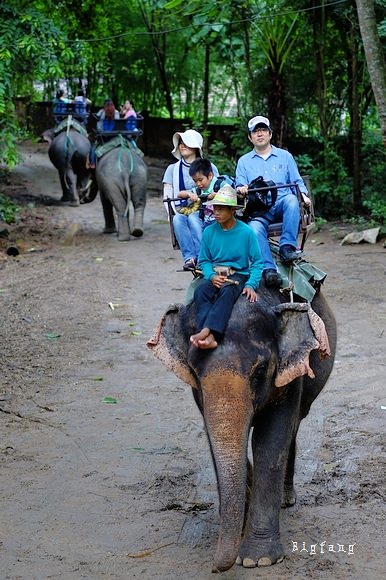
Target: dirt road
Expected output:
[92,488]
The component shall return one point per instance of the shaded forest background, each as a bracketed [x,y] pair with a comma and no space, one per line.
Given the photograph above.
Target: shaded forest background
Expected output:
[315,68]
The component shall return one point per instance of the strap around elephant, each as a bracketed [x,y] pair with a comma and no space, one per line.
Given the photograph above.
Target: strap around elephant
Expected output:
[70,123]
[118,141]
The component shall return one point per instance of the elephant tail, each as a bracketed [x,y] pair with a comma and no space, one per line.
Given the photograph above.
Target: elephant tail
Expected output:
[128,193]
[69,151]
[126,178]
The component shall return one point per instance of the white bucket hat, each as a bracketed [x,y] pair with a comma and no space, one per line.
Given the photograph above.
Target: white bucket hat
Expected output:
[191,138]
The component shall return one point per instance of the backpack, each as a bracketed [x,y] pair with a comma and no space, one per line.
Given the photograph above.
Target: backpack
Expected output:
[220,181]
[259,202]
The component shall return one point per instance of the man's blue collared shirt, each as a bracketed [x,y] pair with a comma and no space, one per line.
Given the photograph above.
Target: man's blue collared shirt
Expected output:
[280,167]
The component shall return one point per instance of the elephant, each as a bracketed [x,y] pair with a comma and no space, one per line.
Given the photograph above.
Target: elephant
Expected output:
[273,361]
[69,147]
[121,176]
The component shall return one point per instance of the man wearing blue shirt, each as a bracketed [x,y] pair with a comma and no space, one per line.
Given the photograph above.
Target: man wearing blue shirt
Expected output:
[277,165]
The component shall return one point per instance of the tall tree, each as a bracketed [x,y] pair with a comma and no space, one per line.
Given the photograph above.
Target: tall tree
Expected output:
[374,57]
[276,39]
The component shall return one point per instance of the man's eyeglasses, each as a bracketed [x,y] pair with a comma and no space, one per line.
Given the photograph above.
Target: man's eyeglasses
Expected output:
[260,130]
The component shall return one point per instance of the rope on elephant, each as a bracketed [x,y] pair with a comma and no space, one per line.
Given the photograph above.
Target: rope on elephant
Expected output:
[118,141]
[68,124]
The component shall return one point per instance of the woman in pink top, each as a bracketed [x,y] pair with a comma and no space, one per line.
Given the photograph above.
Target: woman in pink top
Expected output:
[127,110]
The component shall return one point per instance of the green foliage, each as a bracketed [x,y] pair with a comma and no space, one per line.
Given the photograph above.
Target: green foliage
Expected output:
[9,155]
[331,184]
[377,209]
[219,156]
[8,210]
[320,222]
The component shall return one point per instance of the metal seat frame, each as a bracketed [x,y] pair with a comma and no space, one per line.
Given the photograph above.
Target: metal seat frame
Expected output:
[306,224]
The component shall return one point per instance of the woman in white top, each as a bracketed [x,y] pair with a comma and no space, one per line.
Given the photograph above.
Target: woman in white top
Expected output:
[177,183]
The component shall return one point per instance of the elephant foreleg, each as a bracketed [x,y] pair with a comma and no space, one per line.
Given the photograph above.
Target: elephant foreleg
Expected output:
[289,493]
[273,431]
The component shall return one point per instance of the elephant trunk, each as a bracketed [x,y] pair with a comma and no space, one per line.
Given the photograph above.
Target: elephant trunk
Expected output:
[228,413]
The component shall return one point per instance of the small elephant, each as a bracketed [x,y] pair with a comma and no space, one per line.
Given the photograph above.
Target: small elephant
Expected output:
[121,175]
[69,147]
[274,360]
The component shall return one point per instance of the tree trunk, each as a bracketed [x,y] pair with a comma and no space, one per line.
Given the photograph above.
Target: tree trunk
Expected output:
[277,107]
[160,58]
[206,88]
[374,57]
[356,124]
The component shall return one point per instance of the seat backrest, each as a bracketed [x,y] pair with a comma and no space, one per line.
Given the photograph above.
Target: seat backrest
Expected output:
[307,215]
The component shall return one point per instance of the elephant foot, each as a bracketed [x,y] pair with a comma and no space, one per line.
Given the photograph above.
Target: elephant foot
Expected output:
[137,232]
[74,203]
[258,554]
[289,497]
[110,230]
[123,237]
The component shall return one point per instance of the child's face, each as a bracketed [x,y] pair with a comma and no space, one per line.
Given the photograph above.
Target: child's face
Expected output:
[202,181]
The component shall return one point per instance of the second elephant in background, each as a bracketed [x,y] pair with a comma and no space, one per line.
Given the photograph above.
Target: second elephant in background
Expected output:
[121,175]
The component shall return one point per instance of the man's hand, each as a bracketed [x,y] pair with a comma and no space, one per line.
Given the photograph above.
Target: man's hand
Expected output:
[306,200]
[250,294]
[242,190]
[218,280]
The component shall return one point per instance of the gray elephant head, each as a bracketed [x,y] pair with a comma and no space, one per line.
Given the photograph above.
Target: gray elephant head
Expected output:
[271,352]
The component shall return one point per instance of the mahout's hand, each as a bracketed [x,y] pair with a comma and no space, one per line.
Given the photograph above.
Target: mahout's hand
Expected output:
[218,280]
[250,294]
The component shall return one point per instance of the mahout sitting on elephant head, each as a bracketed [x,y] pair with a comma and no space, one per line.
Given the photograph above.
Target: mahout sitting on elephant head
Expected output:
[231,264]
[272,362]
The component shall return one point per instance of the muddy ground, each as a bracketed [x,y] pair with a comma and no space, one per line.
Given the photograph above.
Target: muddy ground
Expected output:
[95,489]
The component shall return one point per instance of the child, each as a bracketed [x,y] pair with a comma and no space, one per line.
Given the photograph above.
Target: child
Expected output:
[178,183]
[202,174]
[231,263]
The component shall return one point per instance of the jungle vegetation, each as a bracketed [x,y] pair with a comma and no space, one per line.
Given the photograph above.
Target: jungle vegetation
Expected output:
[316,68]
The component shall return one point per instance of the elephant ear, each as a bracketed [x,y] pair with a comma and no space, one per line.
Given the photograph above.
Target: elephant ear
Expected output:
[301,330]
[169,345]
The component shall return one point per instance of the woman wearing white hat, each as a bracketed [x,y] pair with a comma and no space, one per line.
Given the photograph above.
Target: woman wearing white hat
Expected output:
[177,183]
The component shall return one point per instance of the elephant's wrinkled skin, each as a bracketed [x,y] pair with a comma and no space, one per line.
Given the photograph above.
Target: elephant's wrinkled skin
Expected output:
[260,376]
[68,152]
[121,176]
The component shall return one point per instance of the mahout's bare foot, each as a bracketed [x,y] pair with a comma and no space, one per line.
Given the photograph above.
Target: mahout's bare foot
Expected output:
[199,336]
[208,342]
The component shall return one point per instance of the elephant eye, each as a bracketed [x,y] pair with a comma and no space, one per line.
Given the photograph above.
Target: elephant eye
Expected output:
[260,370]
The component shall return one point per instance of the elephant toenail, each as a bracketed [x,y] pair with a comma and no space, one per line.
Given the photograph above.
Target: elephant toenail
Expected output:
[249,563]
[264,561]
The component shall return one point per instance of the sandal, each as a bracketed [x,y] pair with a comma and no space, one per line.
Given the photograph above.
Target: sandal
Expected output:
[190,264]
